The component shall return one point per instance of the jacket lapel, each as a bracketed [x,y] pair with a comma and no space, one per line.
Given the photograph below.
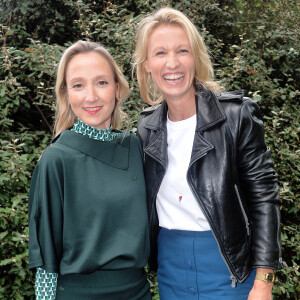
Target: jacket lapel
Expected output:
[209,110]
[157,144]
[209,113]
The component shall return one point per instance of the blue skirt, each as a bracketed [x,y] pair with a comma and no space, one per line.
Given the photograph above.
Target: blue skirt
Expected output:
[191,267]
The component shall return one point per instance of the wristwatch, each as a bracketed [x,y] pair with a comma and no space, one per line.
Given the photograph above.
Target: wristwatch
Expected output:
[266,277]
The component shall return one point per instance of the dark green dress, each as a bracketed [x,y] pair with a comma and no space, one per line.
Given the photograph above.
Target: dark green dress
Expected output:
[88,217]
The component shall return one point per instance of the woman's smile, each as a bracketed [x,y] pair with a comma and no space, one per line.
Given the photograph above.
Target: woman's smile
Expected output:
[92,110]
[173,78]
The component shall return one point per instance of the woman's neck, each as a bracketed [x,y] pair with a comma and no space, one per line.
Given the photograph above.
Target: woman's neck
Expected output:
[181,109]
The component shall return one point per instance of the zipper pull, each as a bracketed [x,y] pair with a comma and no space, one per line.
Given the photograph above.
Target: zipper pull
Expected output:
[233,281]
[247,228]
[282,263]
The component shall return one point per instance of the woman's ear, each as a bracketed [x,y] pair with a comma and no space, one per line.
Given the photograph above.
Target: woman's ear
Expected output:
[146,65]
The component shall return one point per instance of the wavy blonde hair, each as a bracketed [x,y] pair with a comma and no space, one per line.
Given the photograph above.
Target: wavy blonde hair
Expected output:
[204,73]
[64,117]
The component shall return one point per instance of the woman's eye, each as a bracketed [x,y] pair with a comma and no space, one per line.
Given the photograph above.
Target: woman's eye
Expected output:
[160,53]
[183,51]
[77,86]
[102,82]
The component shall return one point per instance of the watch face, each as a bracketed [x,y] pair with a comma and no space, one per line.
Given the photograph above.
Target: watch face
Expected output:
[270,277]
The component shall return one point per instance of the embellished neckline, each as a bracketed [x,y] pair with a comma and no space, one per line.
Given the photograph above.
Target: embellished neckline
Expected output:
[106,135]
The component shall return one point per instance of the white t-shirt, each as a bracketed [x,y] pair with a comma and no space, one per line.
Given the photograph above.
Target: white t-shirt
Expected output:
[176,205]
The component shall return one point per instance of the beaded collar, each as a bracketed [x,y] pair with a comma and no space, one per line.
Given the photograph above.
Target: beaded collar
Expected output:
[97,134]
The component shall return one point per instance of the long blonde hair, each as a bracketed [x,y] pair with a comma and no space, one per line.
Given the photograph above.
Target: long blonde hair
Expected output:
[64,117]
[204,73]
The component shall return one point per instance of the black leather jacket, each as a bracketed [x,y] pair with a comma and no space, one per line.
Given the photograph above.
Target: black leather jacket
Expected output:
[230,174]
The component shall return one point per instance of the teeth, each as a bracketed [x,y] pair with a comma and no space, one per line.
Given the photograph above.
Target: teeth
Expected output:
[92,108]
[173,77]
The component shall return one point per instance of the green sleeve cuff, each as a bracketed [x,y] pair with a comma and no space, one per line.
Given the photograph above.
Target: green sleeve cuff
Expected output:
[45,285]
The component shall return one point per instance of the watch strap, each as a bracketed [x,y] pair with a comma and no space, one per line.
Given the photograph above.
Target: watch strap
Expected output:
[266,277]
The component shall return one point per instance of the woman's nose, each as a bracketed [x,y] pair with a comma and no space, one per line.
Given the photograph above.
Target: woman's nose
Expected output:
[172,61]
[91,94]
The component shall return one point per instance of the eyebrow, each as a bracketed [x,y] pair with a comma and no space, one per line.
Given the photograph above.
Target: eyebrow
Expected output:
[179,46]
[102,76]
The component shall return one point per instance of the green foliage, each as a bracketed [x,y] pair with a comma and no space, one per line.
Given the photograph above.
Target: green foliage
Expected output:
[19,153]
[254,45]
[28,81]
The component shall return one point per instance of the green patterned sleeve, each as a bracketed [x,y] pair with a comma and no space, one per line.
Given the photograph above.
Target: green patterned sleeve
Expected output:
[45,285]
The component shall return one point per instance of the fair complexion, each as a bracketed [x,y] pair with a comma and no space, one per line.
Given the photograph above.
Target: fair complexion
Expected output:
[171,63]
[91,89]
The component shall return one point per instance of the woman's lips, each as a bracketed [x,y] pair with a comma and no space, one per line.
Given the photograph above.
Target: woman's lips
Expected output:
[92,110]
[173,78]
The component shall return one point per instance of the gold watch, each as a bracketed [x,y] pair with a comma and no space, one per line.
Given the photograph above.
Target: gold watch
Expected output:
[266,277]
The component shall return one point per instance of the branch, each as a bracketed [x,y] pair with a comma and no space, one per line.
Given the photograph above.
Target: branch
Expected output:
[42,115]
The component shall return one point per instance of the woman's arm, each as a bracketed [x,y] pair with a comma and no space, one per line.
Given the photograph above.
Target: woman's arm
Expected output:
[46,213]
[260,188]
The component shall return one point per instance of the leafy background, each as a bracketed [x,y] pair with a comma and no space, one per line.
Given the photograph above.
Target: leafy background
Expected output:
[254,46]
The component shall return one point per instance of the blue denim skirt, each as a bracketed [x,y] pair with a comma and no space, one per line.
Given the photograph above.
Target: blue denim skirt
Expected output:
[191,267]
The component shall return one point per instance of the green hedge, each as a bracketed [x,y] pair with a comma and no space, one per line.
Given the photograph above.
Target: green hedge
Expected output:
[254,46]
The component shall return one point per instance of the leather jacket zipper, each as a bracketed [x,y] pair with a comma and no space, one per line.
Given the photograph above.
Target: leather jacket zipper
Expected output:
[242,209]
[232,277]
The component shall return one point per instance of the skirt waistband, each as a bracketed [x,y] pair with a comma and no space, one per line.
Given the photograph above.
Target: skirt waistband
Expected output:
[105,277]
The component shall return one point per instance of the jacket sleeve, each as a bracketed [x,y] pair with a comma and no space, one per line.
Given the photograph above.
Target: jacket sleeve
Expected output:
[46,214]
[260,189]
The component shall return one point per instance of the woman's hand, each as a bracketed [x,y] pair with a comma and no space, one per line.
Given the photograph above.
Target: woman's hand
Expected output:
[261,290]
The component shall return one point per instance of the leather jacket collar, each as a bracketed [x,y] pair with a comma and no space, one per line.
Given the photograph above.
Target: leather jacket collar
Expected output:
[209,112]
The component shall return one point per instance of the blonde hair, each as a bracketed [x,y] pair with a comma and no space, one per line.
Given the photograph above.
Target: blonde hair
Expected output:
[204,73]
[64,117]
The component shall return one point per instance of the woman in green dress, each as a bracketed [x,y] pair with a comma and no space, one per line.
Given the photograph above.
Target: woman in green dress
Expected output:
[88,232]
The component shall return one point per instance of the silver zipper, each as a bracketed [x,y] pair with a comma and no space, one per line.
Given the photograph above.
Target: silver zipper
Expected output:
[281,262]
[242,209]
[232,277]
[233,281]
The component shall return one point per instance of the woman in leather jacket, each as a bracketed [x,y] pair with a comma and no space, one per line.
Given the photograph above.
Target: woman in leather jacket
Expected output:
[212,191]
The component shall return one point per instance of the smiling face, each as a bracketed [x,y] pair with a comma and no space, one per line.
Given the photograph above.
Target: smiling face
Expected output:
[171,62]
[91,89]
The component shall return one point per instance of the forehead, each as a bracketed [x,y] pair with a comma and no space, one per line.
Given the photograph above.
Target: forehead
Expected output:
[89,61]
[167,36]
[167,31]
